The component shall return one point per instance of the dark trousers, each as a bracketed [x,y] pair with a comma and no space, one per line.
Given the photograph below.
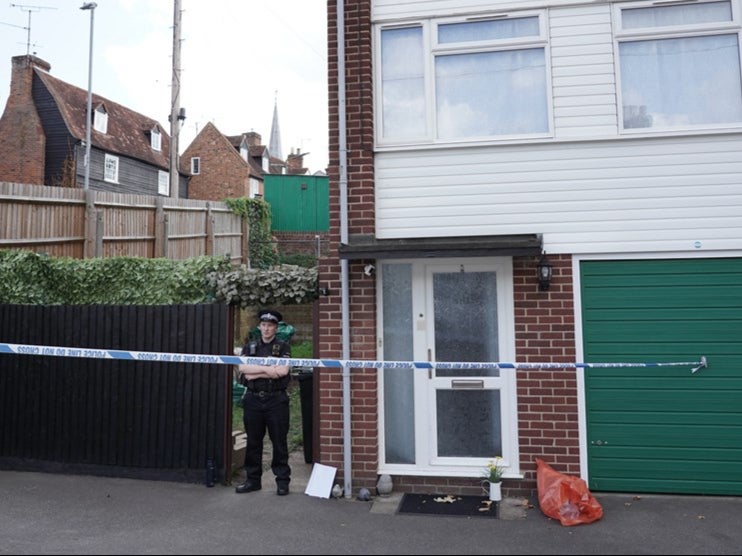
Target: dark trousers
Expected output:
[270,413]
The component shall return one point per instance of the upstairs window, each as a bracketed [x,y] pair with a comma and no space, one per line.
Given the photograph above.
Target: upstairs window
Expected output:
[163,182]
[679,65]
[156,139]
[111,169]
[466,79]
[195,165]
[100,119]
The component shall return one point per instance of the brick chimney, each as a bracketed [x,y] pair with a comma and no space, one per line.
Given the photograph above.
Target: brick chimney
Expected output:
[22,139]
[253,138]
[295,163]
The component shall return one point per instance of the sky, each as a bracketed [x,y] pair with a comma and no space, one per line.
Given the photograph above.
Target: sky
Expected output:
[238,58]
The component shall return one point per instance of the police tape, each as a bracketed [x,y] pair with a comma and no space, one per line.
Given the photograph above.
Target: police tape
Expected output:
[163,357]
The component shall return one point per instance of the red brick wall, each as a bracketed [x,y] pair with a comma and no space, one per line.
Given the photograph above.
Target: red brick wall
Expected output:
[544,321]
[364,417]
[547,399]
[223,171]
[304,243]
[22,139]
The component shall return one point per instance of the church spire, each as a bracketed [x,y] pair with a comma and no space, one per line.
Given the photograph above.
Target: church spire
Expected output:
[274,146]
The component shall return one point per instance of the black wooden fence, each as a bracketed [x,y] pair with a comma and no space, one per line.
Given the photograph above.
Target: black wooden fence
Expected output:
[137,419]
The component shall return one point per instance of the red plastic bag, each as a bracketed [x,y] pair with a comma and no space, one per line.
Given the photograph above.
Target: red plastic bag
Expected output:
[564,497]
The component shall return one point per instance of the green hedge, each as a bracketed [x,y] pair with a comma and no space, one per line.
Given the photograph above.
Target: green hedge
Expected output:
[30,278]
[283,285]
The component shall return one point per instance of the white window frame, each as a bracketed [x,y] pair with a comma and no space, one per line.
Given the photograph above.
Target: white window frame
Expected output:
[163,183]
[100,119]
[156,139]
[432,48]
[111,168]
[195,165]
[254,188]
[622,35]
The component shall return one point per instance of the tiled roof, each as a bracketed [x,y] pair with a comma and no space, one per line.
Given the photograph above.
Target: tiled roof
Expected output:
[128,132]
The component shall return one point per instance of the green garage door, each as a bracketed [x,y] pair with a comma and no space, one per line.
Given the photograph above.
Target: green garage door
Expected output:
[664,429]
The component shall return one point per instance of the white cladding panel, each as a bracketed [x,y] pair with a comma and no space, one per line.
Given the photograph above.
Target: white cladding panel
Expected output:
[583,74]
[639,195]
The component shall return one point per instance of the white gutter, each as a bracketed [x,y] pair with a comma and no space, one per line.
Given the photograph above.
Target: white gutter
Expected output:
[344,287]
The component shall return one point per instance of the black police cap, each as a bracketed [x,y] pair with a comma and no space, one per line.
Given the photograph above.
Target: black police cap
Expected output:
[269,315]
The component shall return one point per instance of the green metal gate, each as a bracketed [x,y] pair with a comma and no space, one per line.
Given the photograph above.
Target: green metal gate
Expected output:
[664,429]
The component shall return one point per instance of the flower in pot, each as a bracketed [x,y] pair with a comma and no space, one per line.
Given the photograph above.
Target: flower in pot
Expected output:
[494,470]
[492,476]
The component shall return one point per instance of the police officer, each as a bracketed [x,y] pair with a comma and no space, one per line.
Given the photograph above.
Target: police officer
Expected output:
[266,406]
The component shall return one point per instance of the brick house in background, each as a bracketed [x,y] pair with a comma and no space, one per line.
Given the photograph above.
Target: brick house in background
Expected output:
[222,167]
[42,137]
[474,136]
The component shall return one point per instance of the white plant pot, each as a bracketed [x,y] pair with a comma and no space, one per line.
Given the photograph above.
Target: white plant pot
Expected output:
[496,492]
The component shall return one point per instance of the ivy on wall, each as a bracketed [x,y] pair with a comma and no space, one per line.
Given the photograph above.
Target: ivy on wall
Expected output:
[283,285]
[258,215]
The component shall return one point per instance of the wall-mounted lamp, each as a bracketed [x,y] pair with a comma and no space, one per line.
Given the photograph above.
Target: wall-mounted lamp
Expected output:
[544,273]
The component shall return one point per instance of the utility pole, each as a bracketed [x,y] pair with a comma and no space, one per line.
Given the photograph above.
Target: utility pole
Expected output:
[177,115]
[89,6]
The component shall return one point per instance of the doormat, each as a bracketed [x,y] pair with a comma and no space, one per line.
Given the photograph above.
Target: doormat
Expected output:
[446,504]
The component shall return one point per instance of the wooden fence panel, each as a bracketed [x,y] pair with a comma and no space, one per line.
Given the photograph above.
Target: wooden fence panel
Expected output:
[71,222]
[116,417]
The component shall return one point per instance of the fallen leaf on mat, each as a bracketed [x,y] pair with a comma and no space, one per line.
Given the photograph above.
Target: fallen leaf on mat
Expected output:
[448,499]
[486,506]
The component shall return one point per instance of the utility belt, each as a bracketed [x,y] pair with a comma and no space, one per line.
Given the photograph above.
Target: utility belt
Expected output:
[264,393]
[266,386]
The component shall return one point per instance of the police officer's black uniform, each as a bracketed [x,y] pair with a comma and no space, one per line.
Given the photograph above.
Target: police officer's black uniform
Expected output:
[266,407]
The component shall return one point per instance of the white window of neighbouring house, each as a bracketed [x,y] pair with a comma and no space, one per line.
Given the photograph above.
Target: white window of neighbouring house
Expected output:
[450,80]
[195,165]
[100,119]
[163,182]
[111,169]
[679,65]
[254,188]
[156,139]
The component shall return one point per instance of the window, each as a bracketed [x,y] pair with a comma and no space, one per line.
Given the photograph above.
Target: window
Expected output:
[111,170]
[156,139]
[163,182]
[489,79]
[195,165]
[679,66]
[100,119]
[254,188]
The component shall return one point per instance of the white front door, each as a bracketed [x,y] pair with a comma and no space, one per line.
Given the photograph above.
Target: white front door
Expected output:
[448,421]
